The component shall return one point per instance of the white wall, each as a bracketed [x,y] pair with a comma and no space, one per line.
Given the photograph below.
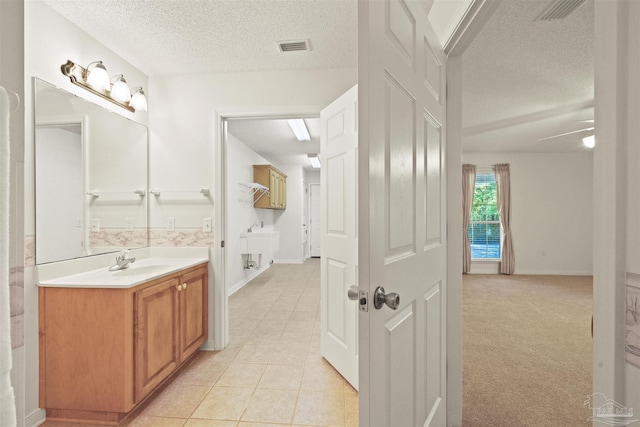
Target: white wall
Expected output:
[182,120]
[183,137]
[552,212]
[50,40]
[240,212]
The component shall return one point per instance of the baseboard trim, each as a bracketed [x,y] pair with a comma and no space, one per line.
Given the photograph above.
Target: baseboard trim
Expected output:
[209,345]
[532,272]
[288,261]
[35,418]
[235,288]
[554,273]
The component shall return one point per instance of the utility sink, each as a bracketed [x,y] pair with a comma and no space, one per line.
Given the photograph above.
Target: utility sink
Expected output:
[259,242]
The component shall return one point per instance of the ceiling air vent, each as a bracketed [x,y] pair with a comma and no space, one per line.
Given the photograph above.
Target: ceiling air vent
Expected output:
[559,9]
[293,46]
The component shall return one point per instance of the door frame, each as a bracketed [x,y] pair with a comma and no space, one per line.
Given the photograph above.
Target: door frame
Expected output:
[309,240]
[218,300]
[609,251]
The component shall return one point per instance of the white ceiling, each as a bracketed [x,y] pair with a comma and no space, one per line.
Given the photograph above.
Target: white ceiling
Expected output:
[274,140]
[163,37]
[522,80]
[526,80]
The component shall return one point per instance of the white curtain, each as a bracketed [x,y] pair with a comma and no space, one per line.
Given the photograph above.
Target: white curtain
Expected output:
[468,188]
[503,181]
[7,399]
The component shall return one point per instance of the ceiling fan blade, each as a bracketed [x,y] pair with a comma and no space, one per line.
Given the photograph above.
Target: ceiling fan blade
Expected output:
[567,133]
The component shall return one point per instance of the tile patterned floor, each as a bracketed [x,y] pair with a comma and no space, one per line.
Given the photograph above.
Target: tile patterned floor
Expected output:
[271,374]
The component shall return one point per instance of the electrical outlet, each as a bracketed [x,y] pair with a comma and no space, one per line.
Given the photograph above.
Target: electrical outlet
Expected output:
[206,225]
[78,222]
[95,224]
[128,224]
[171,223]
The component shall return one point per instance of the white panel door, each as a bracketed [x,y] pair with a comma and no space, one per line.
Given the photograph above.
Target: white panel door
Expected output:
[402,215]
[339,262]
[315,220]
[60,199]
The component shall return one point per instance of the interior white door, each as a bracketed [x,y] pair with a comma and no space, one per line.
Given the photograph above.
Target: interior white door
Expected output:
[339,234]
[315,220]
[59,192]
[401,78]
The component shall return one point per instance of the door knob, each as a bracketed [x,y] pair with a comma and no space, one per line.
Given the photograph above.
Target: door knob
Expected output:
[392,300]
[353,293]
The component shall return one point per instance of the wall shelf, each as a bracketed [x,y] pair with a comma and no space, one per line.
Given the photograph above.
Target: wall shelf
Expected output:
[254,188]
[157,192]
[97,193]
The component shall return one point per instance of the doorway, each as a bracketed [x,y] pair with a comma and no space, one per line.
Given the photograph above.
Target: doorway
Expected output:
[314,220]
[229,267]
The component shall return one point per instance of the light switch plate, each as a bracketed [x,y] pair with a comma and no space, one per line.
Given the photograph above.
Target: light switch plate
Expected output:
[206,225]
[128,224]
[171,223]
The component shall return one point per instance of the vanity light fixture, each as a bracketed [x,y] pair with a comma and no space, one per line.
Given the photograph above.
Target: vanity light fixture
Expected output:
[299,128]
[96,80]
[120,89]
[589,141]
[314,160]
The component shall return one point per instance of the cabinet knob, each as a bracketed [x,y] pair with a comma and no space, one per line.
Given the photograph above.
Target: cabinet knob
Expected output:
[179,287]
[184,286]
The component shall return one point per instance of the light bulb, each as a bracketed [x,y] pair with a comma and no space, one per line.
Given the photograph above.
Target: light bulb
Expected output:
[97,76]
[120,89]
[138,100]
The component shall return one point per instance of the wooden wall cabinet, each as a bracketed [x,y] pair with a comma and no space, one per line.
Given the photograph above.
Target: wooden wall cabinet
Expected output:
[104,350]
[270,177]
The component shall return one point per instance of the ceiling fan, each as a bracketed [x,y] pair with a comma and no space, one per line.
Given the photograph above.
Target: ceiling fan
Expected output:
[590,130]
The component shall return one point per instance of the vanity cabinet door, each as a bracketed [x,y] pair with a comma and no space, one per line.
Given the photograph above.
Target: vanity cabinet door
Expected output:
[156,355]
[193,310]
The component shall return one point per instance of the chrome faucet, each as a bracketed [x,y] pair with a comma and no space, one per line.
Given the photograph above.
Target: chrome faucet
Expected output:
[122,261]
[250,229]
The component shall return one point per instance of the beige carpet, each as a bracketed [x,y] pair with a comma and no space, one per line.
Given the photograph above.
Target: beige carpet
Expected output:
[527,350]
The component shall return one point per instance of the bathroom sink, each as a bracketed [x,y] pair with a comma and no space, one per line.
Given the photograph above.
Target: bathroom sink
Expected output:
[134,270]
[259,242]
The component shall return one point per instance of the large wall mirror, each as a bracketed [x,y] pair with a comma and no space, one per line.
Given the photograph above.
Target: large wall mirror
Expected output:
[90,178]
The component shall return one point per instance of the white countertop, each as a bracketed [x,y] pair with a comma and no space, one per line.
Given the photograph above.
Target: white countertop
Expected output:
[139,272]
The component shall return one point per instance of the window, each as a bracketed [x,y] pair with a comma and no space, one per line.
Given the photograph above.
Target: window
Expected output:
[484,229]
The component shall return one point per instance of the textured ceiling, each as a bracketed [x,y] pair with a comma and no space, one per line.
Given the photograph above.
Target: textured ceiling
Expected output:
[522,80]
[525,80]
[163,37]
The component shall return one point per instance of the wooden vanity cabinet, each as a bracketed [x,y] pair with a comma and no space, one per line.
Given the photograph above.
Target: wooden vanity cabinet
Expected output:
[270,177]
[104,350]
[170,326]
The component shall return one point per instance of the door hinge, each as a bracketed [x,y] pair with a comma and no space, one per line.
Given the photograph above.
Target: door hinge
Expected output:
[222,244]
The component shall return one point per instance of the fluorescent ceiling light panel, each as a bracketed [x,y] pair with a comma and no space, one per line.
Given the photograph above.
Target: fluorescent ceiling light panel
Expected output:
[314,160]
[299,128]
